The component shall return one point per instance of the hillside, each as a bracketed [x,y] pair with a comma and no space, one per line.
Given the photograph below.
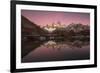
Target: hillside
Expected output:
[30,29]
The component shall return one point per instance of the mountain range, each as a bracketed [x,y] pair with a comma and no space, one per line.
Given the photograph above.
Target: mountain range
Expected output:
[30,28]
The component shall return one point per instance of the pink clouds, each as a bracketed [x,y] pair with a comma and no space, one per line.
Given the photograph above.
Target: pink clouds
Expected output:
[43,18]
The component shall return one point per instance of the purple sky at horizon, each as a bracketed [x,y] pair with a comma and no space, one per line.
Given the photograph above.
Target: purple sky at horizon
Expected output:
[43,18]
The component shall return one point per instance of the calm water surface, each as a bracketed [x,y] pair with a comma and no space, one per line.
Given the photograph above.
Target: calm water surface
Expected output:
[36,51]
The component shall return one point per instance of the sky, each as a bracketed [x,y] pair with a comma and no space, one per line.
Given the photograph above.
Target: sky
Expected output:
[43,18]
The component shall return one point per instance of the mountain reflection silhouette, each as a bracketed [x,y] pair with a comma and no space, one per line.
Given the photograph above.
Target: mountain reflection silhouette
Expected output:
[54,50]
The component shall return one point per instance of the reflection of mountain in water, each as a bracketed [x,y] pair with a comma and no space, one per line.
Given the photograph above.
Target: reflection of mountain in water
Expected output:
[66,44]
[28,46]
[56,51]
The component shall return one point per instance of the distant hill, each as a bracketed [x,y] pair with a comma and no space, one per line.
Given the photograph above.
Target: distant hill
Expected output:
[30,28]
[74,30]
[77,27]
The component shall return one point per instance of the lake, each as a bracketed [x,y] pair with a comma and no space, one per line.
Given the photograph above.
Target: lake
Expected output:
[53,50]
